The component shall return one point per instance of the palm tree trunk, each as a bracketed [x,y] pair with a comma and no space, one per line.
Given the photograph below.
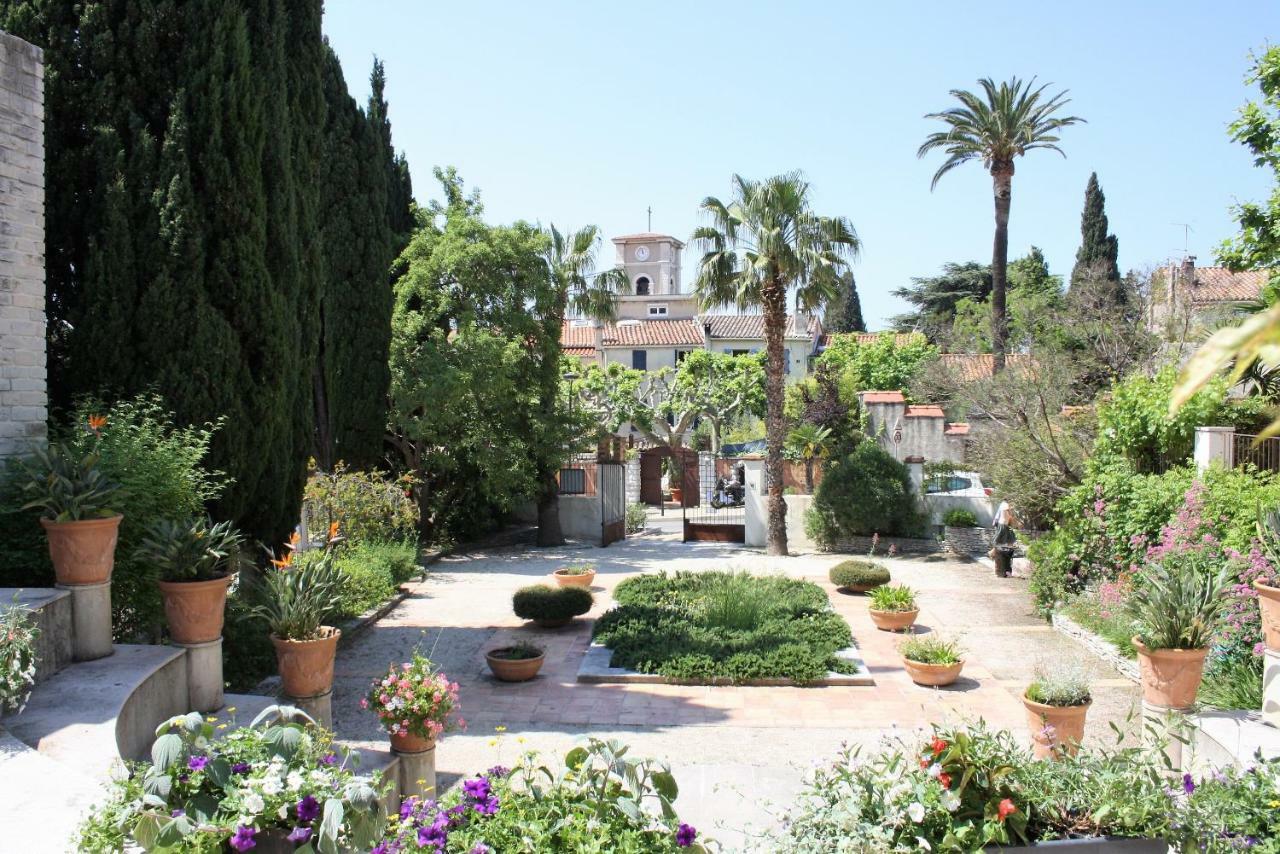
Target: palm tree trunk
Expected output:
[808,475]
[1002,181]
[774,298]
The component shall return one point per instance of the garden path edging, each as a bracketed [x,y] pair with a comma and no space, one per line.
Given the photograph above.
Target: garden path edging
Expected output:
[595,669]
[1098,645]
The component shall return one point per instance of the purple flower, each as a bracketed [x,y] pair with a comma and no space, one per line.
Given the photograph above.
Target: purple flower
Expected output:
[432,835]
[242,839]
[308,809]
[299,835]
[406,807]
[1188,785]
[498,771]
[329,758]
[685,835]
[241,768]
[177,813]
[197,763]
[488,806]
[477,789]
[481,848]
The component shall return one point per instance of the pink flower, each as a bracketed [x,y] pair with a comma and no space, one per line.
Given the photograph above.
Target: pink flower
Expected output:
[364,703]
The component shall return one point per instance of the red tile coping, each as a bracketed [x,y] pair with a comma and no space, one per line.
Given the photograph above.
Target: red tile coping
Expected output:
[883,397]
[929,411]
[956,428]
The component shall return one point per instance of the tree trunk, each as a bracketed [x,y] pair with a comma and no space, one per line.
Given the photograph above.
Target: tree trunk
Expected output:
[774,298]
[808,475]
[549,530]
[1002,183]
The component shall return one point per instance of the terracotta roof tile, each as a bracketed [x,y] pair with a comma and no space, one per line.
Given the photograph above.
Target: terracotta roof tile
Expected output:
[882,397]
[576,335]
[929,411]
[653,333]
[752,326]
[900,339]
[1218,284]
[580,352]
[969,367]
[956,428]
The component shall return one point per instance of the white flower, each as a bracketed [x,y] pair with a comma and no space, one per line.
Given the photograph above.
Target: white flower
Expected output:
[950,801]
[254,803]
[283,812]
[272,786]
[923,843]
[294,781]
[916,812]
[318,776]
[201,742]
[935,770]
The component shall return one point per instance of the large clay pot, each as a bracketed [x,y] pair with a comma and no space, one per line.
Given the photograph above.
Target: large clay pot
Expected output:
[892,621]
[1060,727]
[564,579]
[932,675]
[306,667]
[514,669]
[1170,677]
[409,743]
[677,495]
[194,609]
[83,552]
[1269,604]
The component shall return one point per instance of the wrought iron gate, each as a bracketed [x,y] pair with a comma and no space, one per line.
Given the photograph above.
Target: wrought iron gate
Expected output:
[716,509]
[612,485]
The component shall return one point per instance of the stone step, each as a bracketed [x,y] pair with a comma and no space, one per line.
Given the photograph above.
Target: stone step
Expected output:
[52,610]
[42,801]
[1232,739]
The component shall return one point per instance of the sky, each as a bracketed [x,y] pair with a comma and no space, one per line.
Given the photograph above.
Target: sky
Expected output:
[578,113]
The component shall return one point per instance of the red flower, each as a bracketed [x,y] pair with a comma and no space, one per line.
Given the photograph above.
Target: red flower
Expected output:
[938,746]
[924,763]
[1005,809]
[945,779]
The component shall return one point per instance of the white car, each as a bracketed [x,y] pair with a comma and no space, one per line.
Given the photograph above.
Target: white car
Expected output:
[957,483]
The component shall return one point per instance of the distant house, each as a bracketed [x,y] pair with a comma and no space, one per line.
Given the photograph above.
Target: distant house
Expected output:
[1184,296]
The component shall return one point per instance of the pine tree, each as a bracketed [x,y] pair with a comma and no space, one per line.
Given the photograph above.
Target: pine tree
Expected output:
[1097,257]
[845,314]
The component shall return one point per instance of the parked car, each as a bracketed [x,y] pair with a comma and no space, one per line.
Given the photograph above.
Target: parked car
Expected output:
[956,483]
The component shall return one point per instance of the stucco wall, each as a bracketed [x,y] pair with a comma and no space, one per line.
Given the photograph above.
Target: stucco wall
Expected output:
[23,400]
[580,517]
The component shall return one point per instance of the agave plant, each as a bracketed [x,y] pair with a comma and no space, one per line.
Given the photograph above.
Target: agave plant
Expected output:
[67,487]
[1179,602]
[194,549]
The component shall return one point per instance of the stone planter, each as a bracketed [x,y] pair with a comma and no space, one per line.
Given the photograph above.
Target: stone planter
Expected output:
[967,542]
[306,667]
[514,669]
[83,552]
[1051,727]
[893,621]
[1170,677]
[932,675]
[1098,844]
[410,743]
[195,609]
[1269,604]
[565,579]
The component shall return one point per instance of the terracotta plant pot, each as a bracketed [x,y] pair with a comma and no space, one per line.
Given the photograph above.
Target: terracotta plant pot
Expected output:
[933,675]
[410,743]
[1055,726]
[1269,603]
[677,495]
[194,609]
[564,579]
[1170,677]
[514,669]
[83,552]
[892,621]
[306,667]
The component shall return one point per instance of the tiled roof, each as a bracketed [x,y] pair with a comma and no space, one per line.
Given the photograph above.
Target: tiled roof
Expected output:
[1218,284]
[752,326]
[969,367]
[653,333]
[580,352]
[900,339]
[929,411]
[956,428]
[882,397]
[576,335]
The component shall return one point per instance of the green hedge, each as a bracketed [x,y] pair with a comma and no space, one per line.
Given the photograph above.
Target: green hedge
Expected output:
[958,517]
[544,602]
[373,571]
[866,492]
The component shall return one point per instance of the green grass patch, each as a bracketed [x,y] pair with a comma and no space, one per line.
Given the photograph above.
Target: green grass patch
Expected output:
[1114,625]
[713,626]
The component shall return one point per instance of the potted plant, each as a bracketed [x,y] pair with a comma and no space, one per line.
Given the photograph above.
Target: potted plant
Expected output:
[415,703]
[74,499]
[858,576]
[299,593]
[962,534]
[1177,607]
[551,607]
[18,636]
[516,663]
[893,607]
[1268,585]
[1057,702]
[575,575]
[931,660]
[197,560]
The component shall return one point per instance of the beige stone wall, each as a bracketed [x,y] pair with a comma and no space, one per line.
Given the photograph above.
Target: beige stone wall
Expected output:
[23,400]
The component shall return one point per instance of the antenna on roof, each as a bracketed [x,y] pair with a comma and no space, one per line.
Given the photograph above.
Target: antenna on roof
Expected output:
[1186,236]
[649,210]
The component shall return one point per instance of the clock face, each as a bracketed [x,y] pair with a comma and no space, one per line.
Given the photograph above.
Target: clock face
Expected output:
[642,253]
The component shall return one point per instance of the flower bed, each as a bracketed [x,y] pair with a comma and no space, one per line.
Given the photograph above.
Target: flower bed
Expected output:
[717,626]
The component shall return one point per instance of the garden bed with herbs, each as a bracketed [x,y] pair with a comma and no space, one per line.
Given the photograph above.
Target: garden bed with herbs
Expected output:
[725,628]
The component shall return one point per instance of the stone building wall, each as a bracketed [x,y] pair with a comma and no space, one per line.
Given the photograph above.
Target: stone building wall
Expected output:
[23,400]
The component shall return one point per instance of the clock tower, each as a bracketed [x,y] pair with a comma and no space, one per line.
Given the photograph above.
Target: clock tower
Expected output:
[652,262]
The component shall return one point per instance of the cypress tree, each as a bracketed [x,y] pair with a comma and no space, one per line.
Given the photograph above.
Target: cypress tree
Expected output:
[1099,251]
[399,185]
[845,314]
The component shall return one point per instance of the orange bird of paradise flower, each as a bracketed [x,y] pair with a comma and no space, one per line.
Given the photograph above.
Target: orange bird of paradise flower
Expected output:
[97,422]
[283,563]
[333,530]
[293,541]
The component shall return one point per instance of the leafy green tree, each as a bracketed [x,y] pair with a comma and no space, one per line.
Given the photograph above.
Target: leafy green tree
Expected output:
[1035,295]
[808,443]
[880,365]
[844,314]
[763,243]
[1002,124]
[862,493]
[1097,257]
[723,387]
[935,298]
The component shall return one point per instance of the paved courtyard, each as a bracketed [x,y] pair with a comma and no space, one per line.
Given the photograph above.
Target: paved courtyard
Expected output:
[733,749]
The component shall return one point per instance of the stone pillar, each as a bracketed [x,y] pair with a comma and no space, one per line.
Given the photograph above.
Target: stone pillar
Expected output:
[706,476]
[1171,726]
[320,707]
[915,469]
[1213,444]
[23,400]
[1271,687]
[90,620]
[632,479]
[417,773]
[204,675]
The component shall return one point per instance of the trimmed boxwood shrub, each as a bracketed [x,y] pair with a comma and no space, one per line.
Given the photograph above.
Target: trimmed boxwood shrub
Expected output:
[864,493]
[543,603]
[958,517]
[719,626]
[861,574]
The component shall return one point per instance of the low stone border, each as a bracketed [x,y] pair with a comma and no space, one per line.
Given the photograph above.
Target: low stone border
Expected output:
[1098,645]
[967,542]
[595,669]
[905,545]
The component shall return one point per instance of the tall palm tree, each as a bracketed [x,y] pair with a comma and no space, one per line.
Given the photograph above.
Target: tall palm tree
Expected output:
[757,247]
[1004,122]
[572,283]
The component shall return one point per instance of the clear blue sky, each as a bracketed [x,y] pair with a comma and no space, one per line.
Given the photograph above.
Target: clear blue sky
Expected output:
[577,113]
